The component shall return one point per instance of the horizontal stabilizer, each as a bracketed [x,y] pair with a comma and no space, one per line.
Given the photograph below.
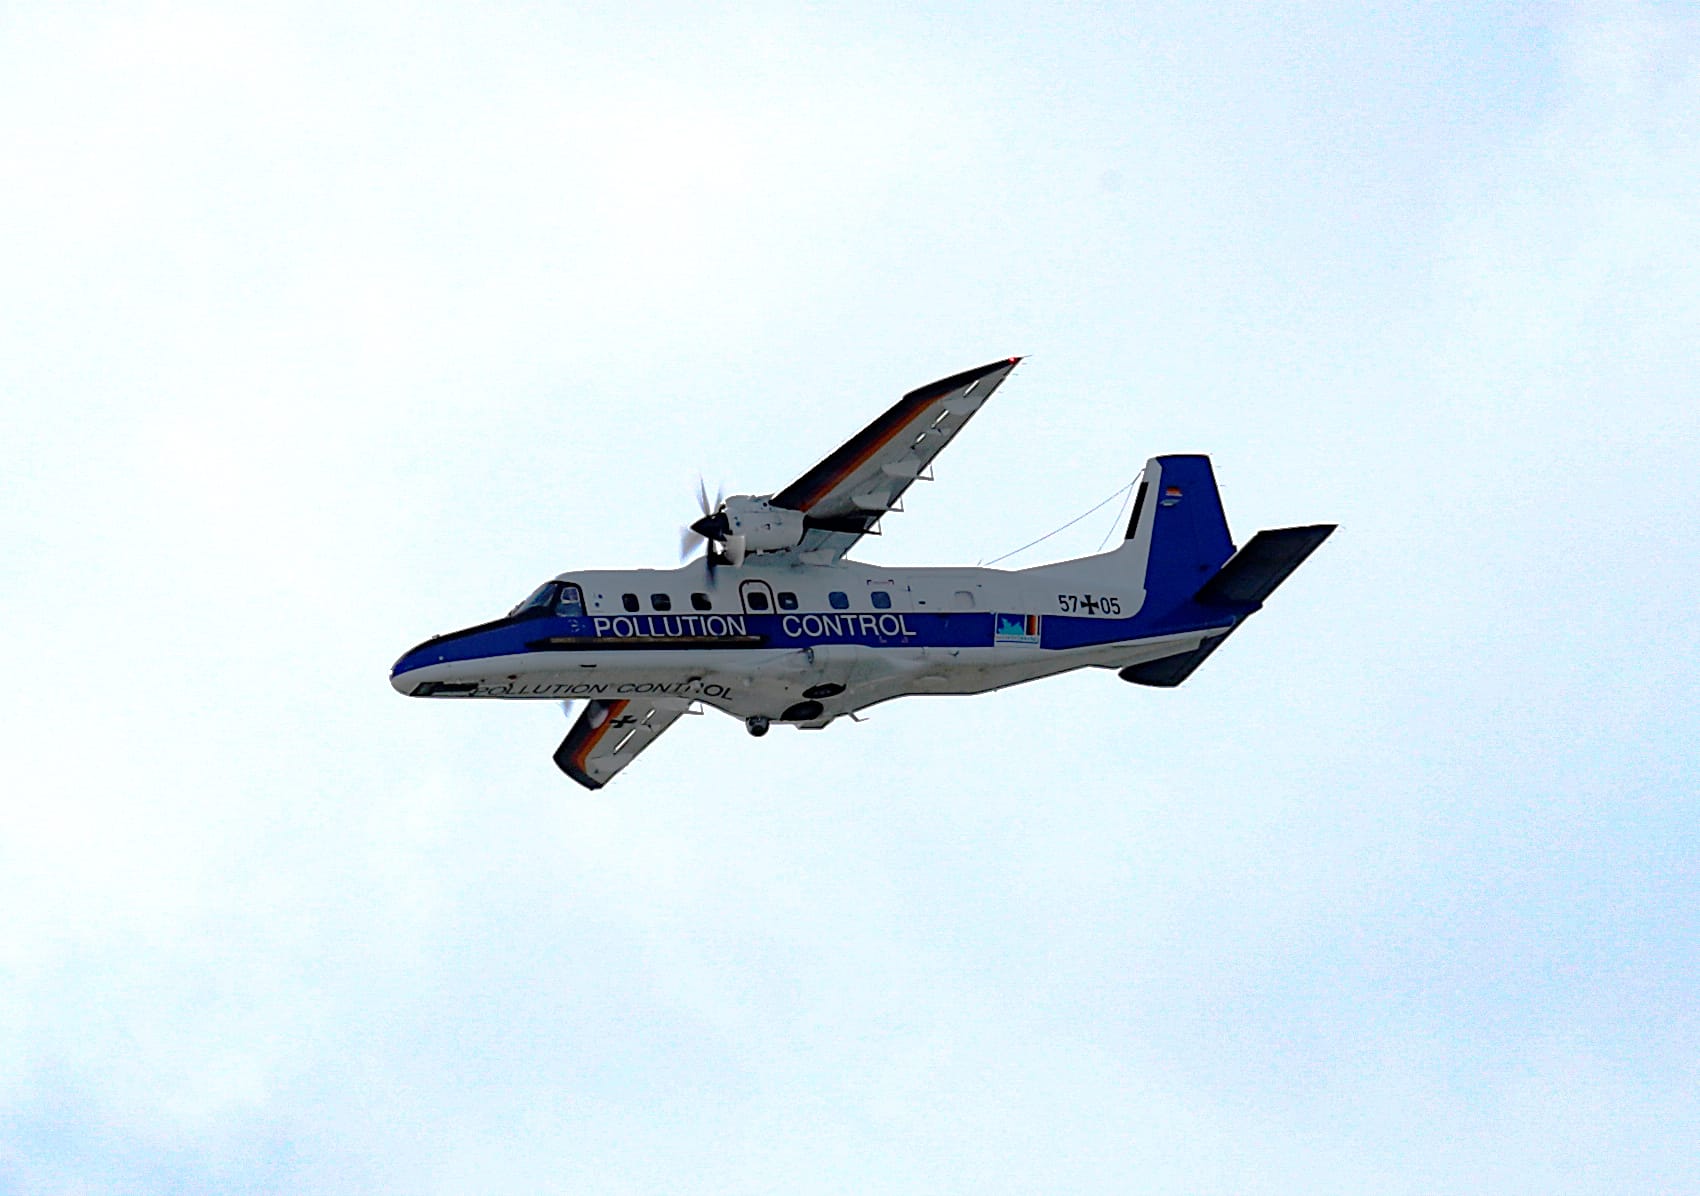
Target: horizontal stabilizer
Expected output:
[1171,670]
[1264,563]
[1249,577]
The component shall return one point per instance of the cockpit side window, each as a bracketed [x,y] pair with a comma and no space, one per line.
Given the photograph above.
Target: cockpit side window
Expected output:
[571,602]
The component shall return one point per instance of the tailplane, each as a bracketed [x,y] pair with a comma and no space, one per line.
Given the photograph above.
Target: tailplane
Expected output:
[1192,573]
[1266,562]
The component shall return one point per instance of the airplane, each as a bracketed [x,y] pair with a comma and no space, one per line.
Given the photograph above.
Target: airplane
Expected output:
[773,624]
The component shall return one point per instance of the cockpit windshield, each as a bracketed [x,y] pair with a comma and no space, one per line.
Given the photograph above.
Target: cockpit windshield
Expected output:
[542,598]
[563,599]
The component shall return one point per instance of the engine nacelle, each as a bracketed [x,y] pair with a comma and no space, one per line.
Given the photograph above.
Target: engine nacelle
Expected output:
[764,527]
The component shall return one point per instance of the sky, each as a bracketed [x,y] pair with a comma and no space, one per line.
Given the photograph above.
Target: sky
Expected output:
[325,328]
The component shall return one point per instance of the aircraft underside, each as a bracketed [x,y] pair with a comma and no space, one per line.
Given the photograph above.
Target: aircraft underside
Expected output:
[807,687]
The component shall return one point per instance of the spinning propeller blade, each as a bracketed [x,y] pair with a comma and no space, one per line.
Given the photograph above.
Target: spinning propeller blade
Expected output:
[689,538]
[711,528]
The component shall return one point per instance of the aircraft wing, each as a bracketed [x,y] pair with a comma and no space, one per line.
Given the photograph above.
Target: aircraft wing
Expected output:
[845,495]
[609,735]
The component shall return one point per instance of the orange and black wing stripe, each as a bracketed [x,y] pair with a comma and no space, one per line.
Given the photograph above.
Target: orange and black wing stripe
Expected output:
[586,733]
[812,487]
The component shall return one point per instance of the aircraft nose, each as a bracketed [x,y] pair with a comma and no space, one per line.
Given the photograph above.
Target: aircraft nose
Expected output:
[455,664]
[442,665]
[405,673]
[398,682]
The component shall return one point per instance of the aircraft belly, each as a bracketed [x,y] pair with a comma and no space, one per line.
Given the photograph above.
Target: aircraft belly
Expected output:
[812,685]
[554,676]
[981,670]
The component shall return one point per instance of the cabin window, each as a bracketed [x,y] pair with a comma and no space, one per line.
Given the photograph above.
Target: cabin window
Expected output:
[699,601]
[571,603]
[787,600]
[630,602]
[757,599]
[838,600]
[880,599]
[661,602]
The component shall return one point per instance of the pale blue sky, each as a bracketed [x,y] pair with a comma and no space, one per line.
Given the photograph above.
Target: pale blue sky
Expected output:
[323,331]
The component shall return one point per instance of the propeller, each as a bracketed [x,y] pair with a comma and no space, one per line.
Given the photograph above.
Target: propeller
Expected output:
[711,527]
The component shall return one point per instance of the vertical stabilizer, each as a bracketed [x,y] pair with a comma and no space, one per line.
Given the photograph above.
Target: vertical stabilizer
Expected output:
[1177,529]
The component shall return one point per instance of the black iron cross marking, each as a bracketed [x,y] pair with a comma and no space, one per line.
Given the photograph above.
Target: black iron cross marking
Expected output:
[625,720]
[1091,604]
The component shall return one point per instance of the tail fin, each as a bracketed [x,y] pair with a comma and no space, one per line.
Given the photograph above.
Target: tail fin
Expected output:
[1178,529]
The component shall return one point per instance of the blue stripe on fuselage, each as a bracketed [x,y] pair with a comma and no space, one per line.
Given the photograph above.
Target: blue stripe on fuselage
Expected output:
[786,630]
[800,629]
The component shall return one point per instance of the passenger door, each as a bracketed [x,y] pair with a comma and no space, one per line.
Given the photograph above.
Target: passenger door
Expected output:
[763,601]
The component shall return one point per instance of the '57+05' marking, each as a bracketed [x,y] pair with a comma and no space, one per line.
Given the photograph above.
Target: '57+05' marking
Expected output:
[1088,604]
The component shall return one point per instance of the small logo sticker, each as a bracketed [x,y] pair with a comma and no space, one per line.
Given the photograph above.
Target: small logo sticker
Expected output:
[1017,629]
[1171,495]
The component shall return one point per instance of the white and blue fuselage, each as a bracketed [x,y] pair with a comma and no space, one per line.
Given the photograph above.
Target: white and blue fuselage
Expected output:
[799,643]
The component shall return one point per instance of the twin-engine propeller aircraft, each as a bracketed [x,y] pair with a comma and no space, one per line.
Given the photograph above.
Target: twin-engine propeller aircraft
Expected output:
[773,624]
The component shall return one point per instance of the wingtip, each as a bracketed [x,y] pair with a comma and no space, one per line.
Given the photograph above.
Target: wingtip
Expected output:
[564,762]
